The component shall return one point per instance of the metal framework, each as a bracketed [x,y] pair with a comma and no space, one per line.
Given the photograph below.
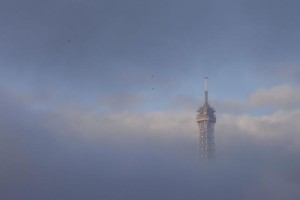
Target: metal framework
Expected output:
[206,120]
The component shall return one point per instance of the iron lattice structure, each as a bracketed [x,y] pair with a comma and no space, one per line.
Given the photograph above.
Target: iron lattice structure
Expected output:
[206,120]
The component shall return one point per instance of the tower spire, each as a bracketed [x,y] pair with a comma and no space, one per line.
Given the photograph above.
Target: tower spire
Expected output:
[206,89]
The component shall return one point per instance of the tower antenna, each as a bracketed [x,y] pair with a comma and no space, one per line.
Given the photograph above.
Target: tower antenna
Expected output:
[206,89]
[206,83]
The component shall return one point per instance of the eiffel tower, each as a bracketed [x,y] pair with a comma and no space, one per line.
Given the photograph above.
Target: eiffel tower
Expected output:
[206,120]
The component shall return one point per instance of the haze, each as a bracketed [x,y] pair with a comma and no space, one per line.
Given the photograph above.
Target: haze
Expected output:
[98,99]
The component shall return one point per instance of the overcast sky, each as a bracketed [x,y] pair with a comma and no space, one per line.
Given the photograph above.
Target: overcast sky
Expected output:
[98,99]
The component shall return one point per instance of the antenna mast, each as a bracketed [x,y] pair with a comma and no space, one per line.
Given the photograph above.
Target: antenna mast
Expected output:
[206,89]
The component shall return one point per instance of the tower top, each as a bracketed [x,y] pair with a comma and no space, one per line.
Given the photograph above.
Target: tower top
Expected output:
[206,83]
[206,112]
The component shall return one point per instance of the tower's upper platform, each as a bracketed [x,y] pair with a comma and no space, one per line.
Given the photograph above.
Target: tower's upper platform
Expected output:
[206,112]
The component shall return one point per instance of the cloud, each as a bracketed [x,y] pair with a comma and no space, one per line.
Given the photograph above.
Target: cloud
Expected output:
[144,155]
[135,125]
[279,97]
[91,122]
[164,125]
[265,127]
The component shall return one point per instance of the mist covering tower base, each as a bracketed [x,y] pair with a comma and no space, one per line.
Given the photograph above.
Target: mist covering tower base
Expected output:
[206,120]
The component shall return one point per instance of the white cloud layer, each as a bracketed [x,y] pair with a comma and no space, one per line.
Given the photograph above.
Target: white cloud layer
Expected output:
[282,96]
[281,125]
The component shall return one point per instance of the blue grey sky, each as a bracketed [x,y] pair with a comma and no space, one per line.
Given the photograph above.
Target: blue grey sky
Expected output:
[98,98]
[91,49]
